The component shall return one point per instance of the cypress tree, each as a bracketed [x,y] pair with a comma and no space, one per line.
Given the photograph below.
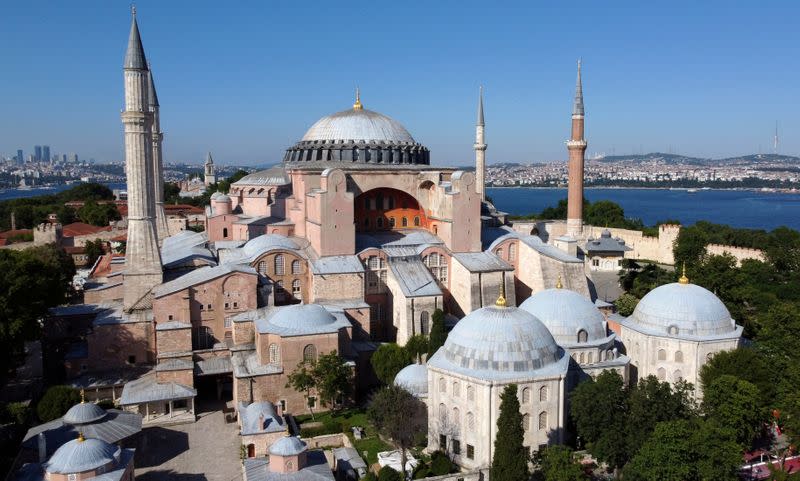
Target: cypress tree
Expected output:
[510,460]
[438,332]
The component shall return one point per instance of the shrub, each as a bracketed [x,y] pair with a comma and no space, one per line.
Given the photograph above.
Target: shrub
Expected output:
[388,474]
[56,401]
[440,464]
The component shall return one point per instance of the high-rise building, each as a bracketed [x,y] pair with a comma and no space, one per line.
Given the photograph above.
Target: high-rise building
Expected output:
[20,157]
[64,158]
[73,157]
[45,154]
[37,153]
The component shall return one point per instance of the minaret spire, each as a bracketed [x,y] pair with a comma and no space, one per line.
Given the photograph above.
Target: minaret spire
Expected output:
[576,146]
[134,56]
[162,228]
[480,150]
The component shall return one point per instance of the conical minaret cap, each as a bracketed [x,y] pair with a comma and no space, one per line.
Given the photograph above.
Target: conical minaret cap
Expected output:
[151,90]
[480,107]
[134,56]
[209,160]
[577,109]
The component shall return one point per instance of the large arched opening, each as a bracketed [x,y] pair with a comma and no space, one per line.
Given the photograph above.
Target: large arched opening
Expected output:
[386,209]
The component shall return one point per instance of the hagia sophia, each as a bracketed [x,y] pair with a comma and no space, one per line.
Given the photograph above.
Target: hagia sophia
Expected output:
[354,239]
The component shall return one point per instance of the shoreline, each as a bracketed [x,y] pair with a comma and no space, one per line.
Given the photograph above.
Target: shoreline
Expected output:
[769,190]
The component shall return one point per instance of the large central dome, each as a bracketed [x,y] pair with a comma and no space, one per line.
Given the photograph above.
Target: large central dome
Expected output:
[355,125]
[356,138]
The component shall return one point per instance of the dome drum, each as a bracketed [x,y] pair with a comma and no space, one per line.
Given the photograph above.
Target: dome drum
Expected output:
[371,152]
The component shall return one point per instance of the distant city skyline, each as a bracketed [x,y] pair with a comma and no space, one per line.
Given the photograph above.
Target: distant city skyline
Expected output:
[700,80]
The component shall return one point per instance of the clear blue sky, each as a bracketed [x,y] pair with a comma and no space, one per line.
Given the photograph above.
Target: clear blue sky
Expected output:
[246,79]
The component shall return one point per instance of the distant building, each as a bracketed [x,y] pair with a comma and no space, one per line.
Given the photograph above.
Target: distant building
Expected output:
[20,158]
[37,156]
[210,173]
[45,154]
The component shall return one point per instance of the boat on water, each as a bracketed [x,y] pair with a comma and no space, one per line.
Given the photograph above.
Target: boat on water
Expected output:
[691,191]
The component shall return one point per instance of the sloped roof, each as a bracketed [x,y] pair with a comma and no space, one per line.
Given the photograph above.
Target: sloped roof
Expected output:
[413,277]
[198,276]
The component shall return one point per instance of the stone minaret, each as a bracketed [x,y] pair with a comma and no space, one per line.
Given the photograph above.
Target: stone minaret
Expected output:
[576,146]
[162,229]
[480,151]
[210,174]
[142,258]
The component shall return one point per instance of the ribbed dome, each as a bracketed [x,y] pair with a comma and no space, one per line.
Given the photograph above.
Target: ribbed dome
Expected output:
[565,313]
[683,309]
[273,176]
[497,342]
[301,316]
[84,413]
[414,379]
[81,455]
[288,446]
[358,125]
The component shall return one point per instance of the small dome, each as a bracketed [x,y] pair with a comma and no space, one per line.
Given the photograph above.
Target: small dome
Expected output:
[222,198]
[84,413]
[358,125]
[215,195]
[81,455]
[683,309]
[414,379]
[606,233]
[288,446]
[300,316]
[565,313]
[497,341]
[267,242]
[273,176]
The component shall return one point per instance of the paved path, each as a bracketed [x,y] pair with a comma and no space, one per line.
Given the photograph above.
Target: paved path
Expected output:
[207,450]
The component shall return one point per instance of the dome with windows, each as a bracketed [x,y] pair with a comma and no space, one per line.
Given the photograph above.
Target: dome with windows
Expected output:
[357,136]
[414,379]
[570,317]
[500,343]
[81,455]
[683,309]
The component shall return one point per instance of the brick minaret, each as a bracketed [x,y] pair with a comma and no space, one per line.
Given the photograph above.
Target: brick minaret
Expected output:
[142,257]
[576,146]
[162,230]
[480,151]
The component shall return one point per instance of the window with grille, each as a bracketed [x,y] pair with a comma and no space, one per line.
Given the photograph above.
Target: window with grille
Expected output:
[296,288]
[442,385]
[456,446]
[424,323]
[543,394]
[309,353]
[279,267]
[526,395]
[470,451]
[376,275]
[404,222]
[295,267]
[512,252]
[228,323]
[470,393]
[470,421]
[261,267]
[437,265]
[456,418]
[456,389]
[526,422]
[543,420]
[274,354]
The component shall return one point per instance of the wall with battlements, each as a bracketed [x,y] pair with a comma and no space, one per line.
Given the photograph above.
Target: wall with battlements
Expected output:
[739,253]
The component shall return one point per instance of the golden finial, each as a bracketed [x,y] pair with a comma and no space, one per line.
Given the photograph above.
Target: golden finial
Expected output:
[357,105]
[80,437]
[684,279]
[559,285]
[501,300]
[133,9]
[83,396]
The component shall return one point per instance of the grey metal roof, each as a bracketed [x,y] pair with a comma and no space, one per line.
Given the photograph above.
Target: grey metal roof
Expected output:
[213,365]
[352,124]
[336,265]
[565,313]
[606,243]
[176,258]
[115,314]
[288,446]
[147,389]
[414,379]
[553,252]
[84,413]
[151,90]
[402,238]
[182,240]
[198,276]
[260,417]
[275,175]
[299,320]
[172,325]
[577,108]
[482,262]
[267,242]
[246,364]
[114,427]
[349,457]
[316,469]
[174,364]
[480,108]
[81,455]
[134,55]
[413,277]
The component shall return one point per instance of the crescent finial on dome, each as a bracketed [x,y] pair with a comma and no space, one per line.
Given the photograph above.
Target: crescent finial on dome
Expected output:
[559,285]
[357,105]
[501,299]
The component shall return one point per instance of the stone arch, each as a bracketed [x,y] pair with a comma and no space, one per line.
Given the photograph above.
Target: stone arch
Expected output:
[310,353]
[383,208]
[661,374]
[662,355]
[678,356]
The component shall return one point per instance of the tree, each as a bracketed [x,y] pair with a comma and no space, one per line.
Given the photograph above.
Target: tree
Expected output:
[783,249]
[56,401]
[388,360]
[438,332]
[556,463]
[734,403]
[690,246]
[510,461]
[399,416]
[65,214]
[744,363]
[651,402]
[301,380]
[388,474]
[625,304]
[93,250]
[333,379]
[416,347]
[98,214]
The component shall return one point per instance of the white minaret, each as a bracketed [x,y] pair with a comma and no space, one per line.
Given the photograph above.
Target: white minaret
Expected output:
[142,258]
[162,229]
[480,151]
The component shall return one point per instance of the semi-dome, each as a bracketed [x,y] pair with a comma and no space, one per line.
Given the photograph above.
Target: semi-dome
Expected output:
[414,379]
[496,343]
[84,413]
[288,446]
[683,309]
[81,455]
[300,316]
[566,314]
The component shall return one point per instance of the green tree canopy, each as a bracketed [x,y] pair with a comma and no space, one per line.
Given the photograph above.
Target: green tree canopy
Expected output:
[98,214]
[388,360]
[399,416]
[733,403]
[417,346]
[556,463]
[744,363]
[438,332]
[599,410]
[510,460]
[333,379]
[56,401]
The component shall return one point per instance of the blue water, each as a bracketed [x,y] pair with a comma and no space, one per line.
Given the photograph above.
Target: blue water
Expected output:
[755,210]
[20,194]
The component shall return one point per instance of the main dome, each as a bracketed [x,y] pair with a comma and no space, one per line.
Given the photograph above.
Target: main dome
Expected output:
[356,125]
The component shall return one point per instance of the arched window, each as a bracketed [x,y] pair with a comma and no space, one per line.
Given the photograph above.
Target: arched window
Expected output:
[526,422]
[224,232]
[512,252]
[279,268]
[442,385]
[673,330]
[590,357]
[470,422]
[470,393]
[262,267]
[583,336]
[499,252]
[678,356]
[309,353]
[581,358]
[677,375]
[456,389]
[526,396]
[404,221]
[443,414]
[543,394]
[424,323]
[274,354]
[295,267]
[709,356]
[662,355]
[379,222]
[437,264]
[391,222]
[456,417]
[609,354]
[661,373]
[416,221]
[296,288]
[543,420]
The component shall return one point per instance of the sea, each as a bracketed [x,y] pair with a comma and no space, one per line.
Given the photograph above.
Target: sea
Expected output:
[737,208]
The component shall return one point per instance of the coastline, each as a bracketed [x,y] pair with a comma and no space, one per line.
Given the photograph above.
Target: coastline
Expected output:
[767,190]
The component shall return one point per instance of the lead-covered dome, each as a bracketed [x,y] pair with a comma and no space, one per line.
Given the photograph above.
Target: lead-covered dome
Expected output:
[414,379]
[80,455]
[288,446]
[84,413]
[302,315]
[566,314]
[357,137]
[499,343]
[683,309]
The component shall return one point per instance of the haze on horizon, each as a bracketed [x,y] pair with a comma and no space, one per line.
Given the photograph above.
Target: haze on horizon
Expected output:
[703,79]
